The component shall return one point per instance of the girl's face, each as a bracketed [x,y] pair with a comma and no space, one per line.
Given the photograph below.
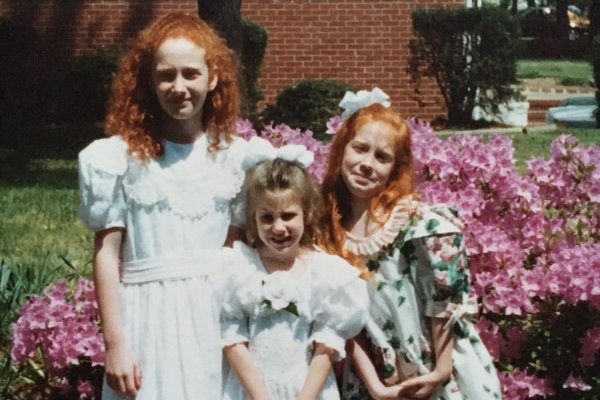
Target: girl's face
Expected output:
[180,78]
[368,160]
[280,223]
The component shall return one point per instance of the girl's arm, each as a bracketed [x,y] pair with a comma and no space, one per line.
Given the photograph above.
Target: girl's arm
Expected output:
[249,376]
[422,386]
[318,370]
[368,375]
[122,369]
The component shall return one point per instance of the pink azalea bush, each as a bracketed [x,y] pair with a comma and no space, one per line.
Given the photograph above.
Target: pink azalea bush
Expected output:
[534,247]
[58,334]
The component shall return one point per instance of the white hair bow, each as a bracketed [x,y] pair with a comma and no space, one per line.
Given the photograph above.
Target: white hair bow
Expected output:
[363,98]
[262,150]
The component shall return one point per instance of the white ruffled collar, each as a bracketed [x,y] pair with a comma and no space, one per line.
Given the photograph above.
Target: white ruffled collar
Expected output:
[397,222]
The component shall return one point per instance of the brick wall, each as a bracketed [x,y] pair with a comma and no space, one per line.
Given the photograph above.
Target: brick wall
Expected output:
[363,42]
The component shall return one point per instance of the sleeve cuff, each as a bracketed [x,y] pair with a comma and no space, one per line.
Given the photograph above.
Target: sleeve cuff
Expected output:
[233,332]
[332,340]
[456,313]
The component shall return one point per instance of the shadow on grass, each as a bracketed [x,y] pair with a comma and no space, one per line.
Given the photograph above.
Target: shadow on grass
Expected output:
[44,156]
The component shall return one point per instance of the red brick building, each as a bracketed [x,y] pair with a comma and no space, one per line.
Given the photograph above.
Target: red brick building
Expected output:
[363,42]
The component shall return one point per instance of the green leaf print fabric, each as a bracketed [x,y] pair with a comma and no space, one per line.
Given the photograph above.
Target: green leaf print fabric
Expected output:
[422,274]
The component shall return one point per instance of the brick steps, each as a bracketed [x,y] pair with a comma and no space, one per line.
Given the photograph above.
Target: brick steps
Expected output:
[538,108]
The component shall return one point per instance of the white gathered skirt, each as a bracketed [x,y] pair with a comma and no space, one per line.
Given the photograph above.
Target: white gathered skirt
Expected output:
[173,328]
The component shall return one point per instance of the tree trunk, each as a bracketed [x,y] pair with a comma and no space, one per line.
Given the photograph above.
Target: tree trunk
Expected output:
[530,3]
[594,19]
[562,23]
[513,7]
[225,16]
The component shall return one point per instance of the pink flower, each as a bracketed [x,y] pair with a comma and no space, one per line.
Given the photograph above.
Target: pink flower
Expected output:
[576,384]
[86,390]
[590,344]
[334,124]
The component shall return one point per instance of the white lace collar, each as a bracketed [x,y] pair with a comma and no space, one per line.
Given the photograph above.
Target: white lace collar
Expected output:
[397,222]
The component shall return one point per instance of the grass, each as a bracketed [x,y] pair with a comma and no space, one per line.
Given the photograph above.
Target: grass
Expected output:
[537,144]
[39,197]
[574,73]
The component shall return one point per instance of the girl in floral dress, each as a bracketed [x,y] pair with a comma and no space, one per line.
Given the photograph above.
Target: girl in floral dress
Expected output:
[158,195]
[418,342]
[290,307]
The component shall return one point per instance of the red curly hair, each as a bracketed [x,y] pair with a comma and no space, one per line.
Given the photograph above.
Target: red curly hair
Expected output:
[333,225]
[134,109]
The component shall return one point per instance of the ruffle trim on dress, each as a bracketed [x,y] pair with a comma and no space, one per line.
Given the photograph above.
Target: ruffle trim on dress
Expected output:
[398,221]
[331,340]
[188,198]
[233,332]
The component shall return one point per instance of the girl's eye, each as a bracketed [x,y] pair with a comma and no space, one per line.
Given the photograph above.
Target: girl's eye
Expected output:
[288,216]
[191,73]
[360,148]
[383,157]
[265,219]
[165,75]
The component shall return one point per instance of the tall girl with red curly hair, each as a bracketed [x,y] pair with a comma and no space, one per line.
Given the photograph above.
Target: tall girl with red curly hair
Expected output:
[158,195]
[417,343]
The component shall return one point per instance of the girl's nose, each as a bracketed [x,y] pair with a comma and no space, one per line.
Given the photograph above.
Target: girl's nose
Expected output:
[178,84]
[278,225]
[366,169]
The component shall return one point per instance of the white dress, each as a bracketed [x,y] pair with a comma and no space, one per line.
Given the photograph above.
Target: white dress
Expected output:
[331,302]
[176,210]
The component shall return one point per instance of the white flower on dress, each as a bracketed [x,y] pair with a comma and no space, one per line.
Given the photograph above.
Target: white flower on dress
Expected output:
[279,292]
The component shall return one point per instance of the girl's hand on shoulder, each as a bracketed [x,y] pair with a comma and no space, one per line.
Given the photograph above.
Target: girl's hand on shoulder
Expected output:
[123,370]
[422,386]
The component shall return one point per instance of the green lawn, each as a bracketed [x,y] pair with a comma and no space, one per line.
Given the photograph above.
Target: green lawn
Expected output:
[39,197]
[565,72]
[537,144]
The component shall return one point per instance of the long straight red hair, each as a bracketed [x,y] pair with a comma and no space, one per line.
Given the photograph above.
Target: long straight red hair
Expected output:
[134,110]
[336,196]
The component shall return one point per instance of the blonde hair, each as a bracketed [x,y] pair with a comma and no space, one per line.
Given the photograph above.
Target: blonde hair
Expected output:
[280,175]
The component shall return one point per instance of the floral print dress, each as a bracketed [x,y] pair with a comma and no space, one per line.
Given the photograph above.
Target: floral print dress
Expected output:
[418,270]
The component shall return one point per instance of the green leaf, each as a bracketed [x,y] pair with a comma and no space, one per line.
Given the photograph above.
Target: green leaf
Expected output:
[292,308]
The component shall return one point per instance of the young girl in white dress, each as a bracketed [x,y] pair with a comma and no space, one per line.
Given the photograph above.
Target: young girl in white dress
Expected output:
[158,195]
[418,342]
[291,307]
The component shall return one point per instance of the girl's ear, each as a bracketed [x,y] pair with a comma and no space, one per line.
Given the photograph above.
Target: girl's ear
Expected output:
[213,84]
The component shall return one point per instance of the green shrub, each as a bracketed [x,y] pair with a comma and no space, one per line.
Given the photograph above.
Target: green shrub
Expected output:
[466,51]
[308,104]
[569,81]
[19,45]
[255,39]
[86,87]
[596,68]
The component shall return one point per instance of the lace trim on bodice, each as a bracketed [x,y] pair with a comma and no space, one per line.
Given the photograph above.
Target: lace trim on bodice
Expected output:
[218,181]
[398,221]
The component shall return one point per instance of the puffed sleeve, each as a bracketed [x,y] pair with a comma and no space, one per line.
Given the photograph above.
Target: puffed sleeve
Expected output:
[102,165]
[340,304]
[442,273]
[240,294]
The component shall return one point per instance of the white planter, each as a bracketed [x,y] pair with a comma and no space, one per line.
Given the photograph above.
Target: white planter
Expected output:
[514,114]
